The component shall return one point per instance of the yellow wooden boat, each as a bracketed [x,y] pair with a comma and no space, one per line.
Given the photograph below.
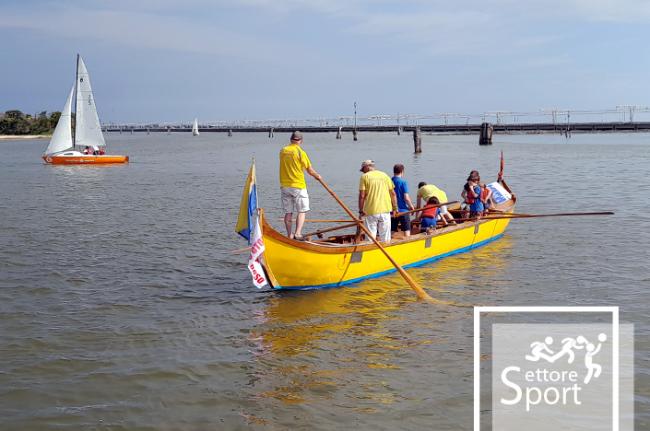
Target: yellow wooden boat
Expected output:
[336,261]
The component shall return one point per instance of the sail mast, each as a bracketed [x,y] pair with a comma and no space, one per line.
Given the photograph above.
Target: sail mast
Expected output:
[76,102]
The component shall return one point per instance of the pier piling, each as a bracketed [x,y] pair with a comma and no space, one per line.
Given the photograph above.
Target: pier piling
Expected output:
[486,134]
[417,140]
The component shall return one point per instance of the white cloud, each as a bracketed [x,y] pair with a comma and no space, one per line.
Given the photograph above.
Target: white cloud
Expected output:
[425,27]
[144,30]
[622,11]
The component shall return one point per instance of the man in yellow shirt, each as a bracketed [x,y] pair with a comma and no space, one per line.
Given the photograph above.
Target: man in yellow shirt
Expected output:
[427,191]
[376,200]
[293,188]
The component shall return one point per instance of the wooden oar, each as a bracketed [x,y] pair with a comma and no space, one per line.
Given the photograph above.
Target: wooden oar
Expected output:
[506,216]
[306,235]
[524,215]
[240,250]
[423,208]
[317,220]
[418,290]
[329,229]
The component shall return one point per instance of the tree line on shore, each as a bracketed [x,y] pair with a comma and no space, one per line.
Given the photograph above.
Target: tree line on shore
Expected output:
[15,122]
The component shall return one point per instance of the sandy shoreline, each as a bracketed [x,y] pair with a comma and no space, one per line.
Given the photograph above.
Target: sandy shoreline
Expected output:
[21,137]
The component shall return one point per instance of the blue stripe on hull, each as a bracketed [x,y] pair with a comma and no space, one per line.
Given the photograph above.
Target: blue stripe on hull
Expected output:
[390,271]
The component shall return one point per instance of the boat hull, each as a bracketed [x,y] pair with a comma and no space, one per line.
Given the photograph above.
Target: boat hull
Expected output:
[293,264]
[85,160]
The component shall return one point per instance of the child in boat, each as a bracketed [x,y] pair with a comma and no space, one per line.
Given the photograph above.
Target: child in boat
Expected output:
[486,198]
[467,195]
[429,216]
[476,208]
[472,195]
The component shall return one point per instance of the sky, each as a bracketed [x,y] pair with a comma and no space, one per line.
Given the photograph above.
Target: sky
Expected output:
[171,61]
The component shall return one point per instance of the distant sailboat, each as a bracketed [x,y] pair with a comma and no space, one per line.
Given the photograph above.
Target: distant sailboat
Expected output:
[195,128]
[87,145]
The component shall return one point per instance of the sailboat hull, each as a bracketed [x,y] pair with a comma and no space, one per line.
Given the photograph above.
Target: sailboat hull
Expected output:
[85,160]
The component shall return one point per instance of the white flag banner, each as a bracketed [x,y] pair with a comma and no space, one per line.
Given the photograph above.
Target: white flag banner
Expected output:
[499,193]
[259,280]
[257,248]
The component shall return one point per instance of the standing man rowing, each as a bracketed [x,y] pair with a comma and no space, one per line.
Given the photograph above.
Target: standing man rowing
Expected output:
[293,161]
[376,199]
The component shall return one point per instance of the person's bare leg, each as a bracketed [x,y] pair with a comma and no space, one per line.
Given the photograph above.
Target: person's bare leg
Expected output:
[287,224]
[300,221]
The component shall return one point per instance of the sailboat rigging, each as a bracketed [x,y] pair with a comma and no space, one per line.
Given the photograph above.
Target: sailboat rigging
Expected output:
[87,144]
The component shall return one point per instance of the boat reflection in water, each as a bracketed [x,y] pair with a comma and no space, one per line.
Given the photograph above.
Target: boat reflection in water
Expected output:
[349,346]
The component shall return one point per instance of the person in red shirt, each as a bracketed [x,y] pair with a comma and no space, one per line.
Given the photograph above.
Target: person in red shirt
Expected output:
[429,216]
[486,198]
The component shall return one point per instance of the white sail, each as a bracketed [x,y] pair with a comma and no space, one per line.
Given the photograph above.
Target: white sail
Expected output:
[88,131]
[62,136]
[195,128]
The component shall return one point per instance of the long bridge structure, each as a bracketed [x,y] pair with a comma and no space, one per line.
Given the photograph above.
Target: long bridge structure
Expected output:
[620,119]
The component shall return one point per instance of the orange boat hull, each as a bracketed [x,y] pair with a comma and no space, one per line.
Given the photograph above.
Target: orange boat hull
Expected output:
[85,160]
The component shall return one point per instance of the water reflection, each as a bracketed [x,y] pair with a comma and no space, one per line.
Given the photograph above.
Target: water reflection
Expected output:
[318,344]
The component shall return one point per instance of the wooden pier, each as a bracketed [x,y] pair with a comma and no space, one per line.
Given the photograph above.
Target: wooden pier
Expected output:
[512,128]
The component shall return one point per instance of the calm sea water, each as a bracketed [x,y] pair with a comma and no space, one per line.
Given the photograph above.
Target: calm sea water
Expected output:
[122,307]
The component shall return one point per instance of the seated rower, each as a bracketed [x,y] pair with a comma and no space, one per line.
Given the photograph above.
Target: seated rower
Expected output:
[429,216]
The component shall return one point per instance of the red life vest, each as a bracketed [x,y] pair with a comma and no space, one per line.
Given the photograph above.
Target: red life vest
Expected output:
[484,193]
[430,212]
[469,197]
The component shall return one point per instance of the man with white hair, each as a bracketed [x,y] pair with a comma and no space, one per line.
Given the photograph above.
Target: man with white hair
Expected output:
[376,200]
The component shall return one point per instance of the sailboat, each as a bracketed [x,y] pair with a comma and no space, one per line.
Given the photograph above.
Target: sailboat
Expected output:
[87,145]
[195,128]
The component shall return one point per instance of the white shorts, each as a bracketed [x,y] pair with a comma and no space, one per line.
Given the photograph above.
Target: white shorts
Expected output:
[294,200]
[379,226]
[443,211]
